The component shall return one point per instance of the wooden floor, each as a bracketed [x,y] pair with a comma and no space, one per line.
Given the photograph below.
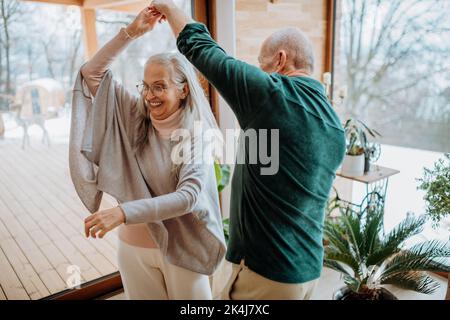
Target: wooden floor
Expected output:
[41,224]
[42,235]
[330,281]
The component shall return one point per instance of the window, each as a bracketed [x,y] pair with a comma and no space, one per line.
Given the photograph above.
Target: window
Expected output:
[159,40]
[391,70]
[43,249]
[392,67]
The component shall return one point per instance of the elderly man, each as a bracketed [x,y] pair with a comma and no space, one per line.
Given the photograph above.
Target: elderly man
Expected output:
[276,222]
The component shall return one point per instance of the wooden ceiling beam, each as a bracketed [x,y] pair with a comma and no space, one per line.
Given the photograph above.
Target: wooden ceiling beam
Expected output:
[131,8]
[110,4]
[90,39]
[117,5]
[78,3]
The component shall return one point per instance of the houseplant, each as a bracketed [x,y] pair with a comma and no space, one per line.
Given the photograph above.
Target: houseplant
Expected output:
[436,184]
[368,258]
[223,178]
[218,280]
[358,147]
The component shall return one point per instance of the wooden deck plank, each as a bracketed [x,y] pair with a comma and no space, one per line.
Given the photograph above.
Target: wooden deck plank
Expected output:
[111,238]
[11,287]
[28,276]
[24,270]
[63,207]
[40,237]
[3,295]
[96,258]
[56,187]
[61,200]
[50,227]
[52,280]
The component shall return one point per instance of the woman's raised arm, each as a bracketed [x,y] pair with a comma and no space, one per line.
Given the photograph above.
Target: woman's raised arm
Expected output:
[94,70]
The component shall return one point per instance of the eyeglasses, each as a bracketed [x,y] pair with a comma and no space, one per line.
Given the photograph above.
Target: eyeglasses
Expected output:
[156,89]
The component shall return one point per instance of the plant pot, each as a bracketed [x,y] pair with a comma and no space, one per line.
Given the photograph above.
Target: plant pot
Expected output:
[353,166]
[345,293]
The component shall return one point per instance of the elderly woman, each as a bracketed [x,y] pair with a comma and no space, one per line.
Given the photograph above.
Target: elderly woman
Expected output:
[170,230]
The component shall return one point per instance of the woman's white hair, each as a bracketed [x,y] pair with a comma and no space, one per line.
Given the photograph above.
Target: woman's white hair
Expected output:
[195,105]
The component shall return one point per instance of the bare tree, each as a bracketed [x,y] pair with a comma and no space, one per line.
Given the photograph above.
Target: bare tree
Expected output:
[10,11]
[49,51]
[31,56]
[1,62]
[379,36]
[392,53]
[74,53]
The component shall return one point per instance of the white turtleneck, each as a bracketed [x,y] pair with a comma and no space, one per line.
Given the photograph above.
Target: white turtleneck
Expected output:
[166,126]
[137,234]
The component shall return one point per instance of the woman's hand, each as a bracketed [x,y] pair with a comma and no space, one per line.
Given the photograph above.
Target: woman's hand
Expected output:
[162,6]
[176,17]
[144,22]
[103,222]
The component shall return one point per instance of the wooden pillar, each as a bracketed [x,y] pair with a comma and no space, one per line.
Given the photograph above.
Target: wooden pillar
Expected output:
[89,32]
[330,7]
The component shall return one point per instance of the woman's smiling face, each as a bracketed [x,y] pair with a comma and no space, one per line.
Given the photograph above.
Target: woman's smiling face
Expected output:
[162,96]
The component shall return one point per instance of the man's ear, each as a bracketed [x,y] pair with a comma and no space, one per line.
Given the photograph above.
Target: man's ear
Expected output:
[282,57]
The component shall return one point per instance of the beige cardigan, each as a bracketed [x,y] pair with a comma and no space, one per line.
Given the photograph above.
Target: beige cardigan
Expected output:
[182,214]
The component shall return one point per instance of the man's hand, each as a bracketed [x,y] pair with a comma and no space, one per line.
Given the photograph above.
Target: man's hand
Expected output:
[103,222]
[162,6]
[144,22]
[176,17]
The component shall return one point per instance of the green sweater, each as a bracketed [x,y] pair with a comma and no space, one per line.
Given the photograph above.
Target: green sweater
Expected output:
[276,221]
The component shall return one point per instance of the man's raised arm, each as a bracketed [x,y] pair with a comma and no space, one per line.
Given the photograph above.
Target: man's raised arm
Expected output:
[241,84]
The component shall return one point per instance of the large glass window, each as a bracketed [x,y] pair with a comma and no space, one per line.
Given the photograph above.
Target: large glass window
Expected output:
[43,249]
[159,40]
[391,70]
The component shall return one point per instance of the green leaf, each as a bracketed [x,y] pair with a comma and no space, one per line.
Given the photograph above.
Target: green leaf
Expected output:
[393,241]
[431,248]
[222,172]
[353,230]
[413,280]
[343,258]
[372,231]
[335,265]
[436,184]
[226,228]
[406,261]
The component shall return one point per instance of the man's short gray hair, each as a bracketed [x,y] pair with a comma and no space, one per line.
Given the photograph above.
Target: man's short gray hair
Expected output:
[298,47]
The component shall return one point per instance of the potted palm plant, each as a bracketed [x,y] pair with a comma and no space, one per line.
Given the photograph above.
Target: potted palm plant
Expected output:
[358,148]
[368,258]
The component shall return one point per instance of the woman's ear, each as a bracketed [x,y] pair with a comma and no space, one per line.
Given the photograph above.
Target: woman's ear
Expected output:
[185,91]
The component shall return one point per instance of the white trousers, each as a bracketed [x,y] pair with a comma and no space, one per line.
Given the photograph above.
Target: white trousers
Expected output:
[146,275]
